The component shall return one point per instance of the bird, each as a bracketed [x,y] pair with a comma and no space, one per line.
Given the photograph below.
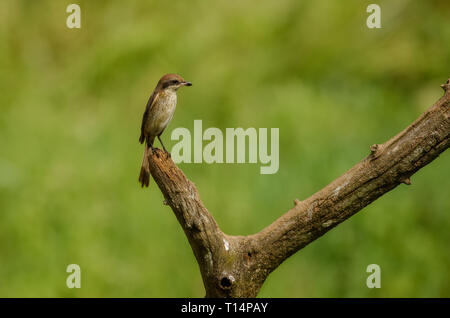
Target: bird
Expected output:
[158,113]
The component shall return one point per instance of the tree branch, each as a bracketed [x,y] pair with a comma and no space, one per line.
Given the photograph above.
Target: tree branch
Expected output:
[237,266]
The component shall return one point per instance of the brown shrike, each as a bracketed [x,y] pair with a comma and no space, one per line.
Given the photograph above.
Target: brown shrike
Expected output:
[158,113]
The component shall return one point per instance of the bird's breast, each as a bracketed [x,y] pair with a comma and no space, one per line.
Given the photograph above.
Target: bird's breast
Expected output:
[162,112]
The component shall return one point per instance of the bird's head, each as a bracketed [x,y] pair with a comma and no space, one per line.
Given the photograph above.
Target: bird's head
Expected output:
[172,82]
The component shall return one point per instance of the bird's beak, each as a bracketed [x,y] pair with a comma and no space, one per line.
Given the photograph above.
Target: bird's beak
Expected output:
[187,83]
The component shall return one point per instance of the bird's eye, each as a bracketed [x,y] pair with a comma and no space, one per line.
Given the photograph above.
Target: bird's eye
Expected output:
[174,82]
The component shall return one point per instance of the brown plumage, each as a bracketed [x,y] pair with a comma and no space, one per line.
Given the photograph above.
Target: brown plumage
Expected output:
[158,113]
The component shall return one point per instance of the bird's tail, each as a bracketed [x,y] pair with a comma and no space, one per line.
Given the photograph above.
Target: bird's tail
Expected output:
[144,176]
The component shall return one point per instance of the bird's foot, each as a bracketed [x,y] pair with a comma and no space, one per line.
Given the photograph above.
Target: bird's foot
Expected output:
[168,155]
[156,152]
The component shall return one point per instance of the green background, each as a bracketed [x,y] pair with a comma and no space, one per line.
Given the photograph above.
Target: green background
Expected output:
[71,104]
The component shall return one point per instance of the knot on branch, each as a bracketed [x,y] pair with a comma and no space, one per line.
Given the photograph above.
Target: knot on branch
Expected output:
[375,151]
[446,86]
[248,258]
[226,282]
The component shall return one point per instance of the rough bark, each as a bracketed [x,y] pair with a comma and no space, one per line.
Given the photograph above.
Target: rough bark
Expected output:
[237,266]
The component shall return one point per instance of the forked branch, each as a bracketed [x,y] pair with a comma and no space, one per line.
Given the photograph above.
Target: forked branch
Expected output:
[237,266]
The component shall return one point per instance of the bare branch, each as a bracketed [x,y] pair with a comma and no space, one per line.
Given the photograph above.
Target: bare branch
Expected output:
[237,266]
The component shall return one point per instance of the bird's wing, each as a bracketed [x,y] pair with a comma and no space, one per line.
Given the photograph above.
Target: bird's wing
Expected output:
[151,102]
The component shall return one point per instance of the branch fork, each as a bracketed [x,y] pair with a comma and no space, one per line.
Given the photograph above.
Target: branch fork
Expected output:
[237,266]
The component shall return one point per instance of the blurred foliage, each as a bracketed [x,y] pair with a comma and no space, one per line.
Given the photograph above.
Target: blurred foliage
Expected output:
[72,100]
